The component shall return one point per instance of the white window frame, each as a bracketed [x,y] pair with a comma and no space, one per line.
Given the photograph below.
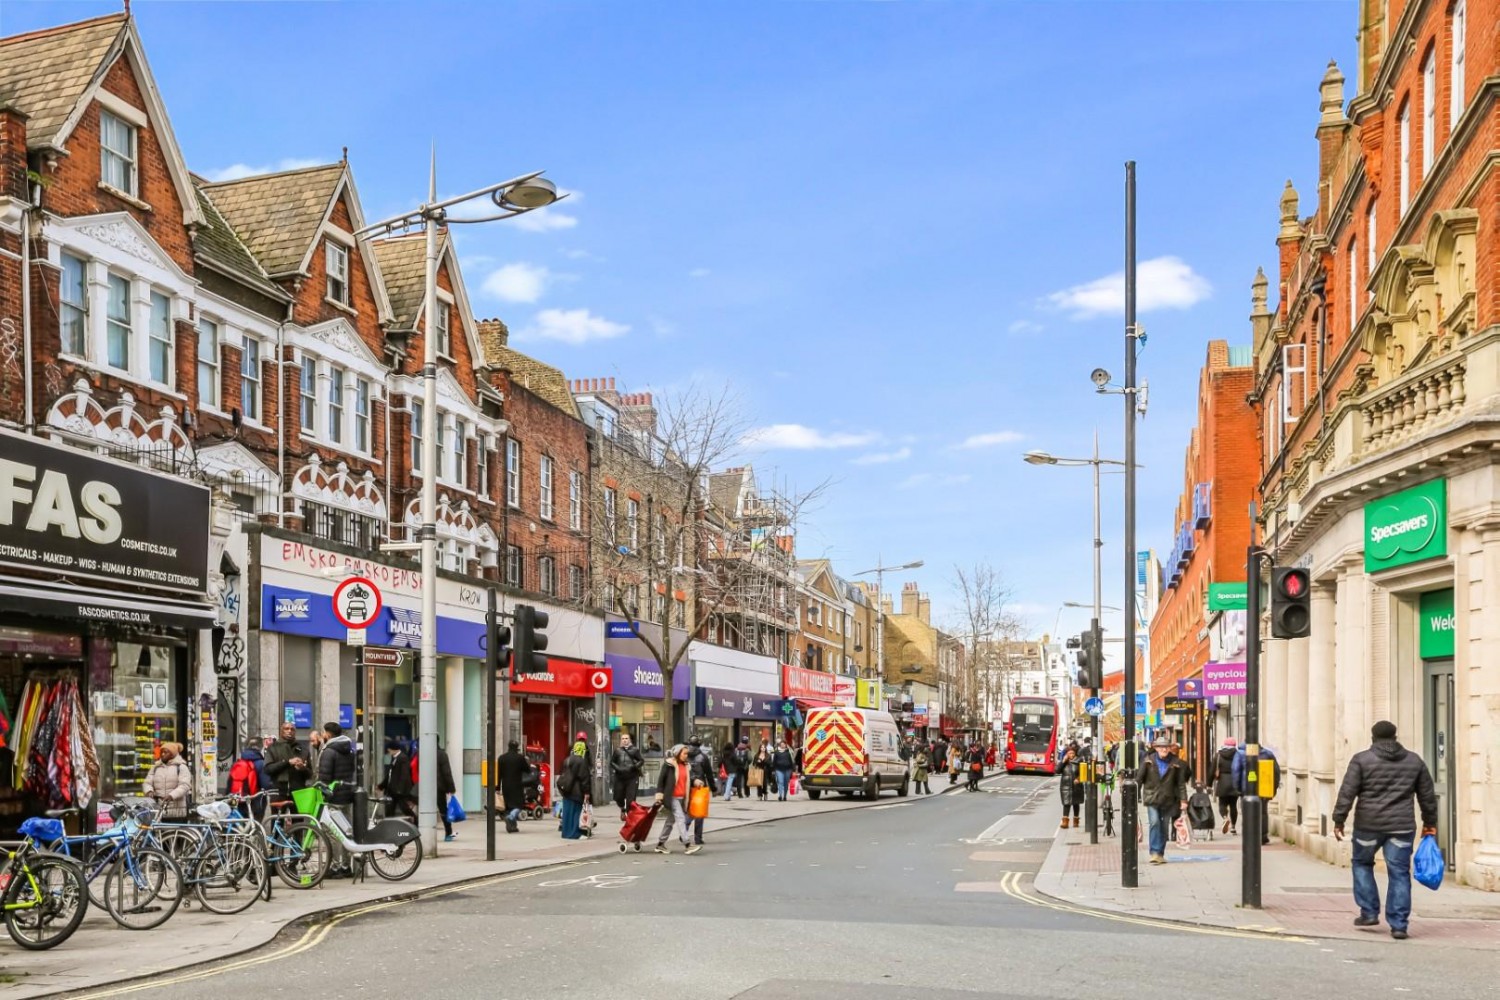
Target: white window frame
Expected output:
[418,428]
[575,582]
[208,362]
[1293,363]
[633,523]
[444,329]
[611,510]
[117,325]
[307,396]
[1458,35]
[1403,128]
[74,313]
[460,452]
[544,479]
[336,267]
[337,381]
[659,549]
[512,472]
[362,392]
[482,466]
[110,156]
[546,575]
[440,428]
[1429,111]
[515,566]
[250,382]
[575,500]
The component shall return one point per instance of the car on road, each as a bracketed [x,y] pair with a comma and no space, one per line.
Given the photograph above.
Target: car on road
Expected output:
[852,750]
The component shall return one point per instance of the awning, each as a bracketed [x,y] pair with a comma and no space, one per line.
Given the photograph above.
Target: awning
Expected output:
[91,604]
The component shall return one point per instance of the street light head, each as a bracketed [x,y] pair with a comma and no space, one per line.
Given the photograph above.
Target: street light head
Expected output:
[1100,377]
[1039,458]
[534,192]
[912,565]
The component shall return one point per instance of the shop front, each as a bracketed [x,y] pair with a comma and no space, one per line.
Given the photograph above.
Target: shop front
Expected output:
[552,708]
[807,689]
[95,659]
[635,702]
[738,694]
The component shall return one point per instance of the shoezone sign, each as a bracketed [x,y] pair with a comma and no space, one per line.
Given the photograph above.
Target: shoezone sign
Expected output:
[356,602]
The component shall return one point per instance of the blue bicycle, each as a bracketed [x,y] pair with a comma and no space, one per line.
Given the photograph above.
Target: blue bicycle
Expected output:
[140,887]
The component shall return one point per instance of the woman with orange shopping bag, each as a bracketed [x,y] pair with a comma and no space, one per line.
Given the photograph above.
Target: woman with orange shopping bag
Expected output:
[673,789]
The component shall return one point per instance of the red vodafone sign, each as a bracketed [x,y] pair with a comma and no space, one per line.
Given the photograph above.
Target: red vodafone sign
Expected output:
[566,679]
[356,602]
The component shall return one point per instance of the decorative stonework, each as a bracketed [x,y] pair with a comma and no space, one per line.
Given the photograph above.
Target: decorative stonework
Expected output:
[340,336]
[122,427]
[120,236]
[340,489]
[454,522]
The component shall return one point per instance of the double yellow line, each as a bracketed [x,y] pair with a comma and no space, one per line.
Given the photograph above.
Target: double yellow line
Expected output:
[1013,885]
[316,934]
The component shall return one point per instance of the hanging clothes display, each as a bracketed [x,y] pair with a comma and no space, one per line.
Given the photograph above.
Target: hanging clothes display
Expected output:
[55,759]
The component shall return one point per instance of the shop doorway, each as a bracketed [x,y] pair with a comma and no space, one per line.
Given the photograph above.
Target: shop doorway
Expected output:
[1439,751]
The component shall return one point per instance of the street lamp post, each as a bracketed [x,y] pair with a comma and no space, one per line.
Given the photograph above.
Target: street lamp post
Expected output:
[880,571]
[513,197]
[1091,814]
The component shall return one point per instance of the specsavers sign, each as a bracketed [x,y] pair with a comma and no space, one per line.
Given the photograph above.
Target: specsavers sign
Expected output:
[67,512]
[1407,527]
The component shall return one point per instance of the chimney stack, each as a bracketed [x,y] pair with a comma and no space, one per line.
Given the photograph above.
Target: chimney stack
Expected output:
[910,599]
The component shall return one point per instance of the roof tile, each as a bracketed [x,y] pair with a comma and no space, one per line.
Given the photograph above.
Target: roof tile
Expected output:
[44,73]
[277,215]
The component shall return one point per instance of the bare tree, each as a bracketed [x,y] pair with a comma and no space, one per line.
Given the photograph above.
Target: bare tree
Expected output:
[675,572]
[986,621]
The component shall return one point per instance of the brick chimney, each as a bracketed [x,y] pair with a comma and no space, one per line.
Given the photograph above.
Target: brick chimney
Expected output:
[13,154]
[910,599]
[924,610]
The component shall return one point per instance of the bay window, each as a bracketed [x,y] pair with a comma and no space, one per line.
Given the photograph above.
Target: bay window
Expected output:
[118,332]
[460,452]
[335,404]
[250,380]
[208,363]
[74,297]
[309,401]
[362,415]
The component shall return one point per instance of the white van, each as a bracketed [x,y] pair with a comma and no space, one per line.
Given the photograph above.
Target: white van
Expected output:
[849,750]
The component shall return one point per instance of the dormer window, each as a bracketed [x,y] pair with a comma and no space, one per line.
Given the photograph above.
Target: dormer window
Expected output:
[338,273]
[117,153]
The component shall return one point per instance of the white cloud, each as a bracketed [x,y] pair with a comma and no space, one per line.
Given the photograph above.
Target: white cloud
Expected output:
[577,254]
[882,457]
[699,272]
[799,438]
[571,326]
[549,219]
[520,282]
[1161,283]
[929,479]
[991,439]
[1025,326]
[235,171]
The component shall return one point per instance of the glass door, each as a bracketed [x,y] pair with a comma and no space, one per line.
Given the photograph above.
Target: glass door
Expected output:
[1439,754]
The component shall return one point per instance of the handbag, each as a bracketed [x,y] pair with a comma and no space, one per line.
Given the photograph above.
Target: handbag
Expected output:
[456,812]
[698,800]
[757,778]
[1427,864]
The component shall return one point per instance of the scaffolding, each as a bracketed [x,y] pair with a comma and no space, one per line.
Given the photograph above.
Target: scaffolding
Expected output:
[752,555]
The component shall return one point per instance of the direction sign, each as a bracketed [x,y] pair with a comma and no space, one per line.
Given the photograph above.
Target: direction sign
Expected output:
[356,602]
[382,656]
[1094,706]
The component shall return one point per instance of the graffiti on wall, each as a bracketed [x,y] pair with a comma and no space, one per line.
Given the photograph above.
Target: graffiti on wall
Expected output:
[229,668]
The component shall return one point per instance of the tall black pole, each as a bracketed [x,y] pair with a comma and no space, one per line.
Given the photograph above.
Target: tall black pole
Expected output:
[1130,872]
[1252,816]
[491,682]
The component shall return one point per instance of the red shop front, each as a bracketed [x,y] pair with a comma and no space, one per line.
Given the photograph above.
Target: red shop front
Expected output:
[808,688]
[555,706]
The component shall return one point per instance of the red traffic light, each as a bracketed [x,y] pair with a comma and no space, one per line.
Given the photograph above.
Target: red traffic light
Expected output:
[1294,583]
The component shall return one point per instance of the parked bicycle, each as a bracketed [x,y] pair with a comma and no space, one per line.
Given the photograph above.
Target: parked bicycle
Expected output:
[44,895]
[392,846]
[293,844]
[220,856]
[140,887]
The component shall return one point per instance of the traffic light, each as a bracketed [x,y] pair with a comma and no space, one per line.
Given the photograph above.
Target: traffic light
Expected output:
[1090,649]
[497,639]
[1291,611]
[530,640]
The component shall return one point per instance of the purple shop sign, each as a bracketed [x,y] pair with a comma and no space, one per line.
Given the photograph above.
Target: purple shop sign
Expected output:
[635,677]
[1190,688]
[1224,680]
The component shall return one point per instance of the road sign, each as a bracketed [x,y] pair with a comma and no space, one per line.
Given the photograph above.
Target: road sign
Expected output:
[1094,706]
[356,602]
[382,656]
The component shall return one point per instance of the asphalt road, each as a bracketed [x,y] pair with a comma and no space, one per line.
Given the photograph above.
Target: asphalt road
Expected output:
[870,903]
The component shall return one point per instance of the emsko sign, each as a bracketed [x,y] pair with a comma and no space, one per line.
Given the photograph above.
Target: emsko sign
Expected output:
[1407,527]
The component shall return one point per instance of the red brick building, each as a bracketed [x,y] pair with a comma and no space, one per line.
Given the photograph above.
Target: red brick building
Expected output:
[1212,532]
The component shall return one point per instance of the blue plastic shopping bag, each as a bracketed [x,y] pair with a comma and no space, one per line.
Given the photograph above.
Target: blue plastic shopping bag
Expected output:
[456,812]
[1427,864]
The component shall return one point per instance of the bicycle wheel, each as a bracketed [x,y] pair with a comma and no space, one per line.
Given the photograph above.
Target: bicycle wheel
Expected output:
[229,879]
[393,866]
[143,889]
[96,866]
[303,864]
[45,901]
[180,843]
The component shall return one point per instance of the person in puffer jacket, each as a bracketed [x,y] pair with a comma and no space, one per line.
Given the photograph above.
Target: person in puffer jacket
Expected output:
[170,782]
[1222,778]
[1379,786]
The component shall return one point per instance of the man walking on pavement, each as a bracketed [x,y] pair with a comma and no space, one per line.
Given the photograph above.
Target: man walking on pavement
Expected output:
[1222,778]
[703,773]
[626,765]
[1164,781]
[1384,780]
[510,778]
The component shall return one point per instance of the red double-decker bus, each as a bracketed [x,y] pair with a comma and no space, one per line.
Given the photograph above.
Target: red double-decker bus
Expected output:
[1031,739]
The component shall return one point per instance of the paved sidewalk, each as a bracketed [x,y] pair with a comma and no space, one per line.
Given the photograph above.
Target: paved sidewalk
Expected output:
[101,953]
[1300,895]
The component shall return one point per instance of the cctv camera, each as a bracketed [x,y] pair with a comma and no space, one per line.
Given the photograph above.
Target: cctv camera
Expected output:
[1100,377]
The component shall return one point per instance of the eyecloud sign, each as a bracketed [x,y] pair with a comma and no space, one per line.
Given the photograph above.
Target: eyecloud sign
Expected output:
[1407,527]
[68,512]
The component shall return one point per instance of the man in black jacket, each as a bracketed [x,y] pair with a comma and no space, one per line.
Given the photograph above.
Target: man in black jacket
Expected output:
[1384,779]
[1163,779]
[626,765]
[286,762]
[511,769]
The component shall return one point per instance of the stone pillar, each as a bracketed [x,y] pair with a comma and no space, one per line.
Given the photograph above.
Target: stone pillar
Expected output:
[1477,716]
[453,718]
[1321,668]
[1294,749]
[263,684]
[326,656]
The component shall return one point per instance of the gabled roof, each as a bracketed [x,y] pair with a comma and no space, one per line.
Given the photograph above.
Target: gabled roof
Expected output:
[53,75]
[403,264]
[535,376]
[277,216]
[724,489]
[216,244]
[46,73]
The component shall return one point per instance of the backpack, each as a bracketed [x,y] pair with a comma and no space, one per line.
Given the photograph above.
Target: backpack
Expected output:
[243,778]
[414,780]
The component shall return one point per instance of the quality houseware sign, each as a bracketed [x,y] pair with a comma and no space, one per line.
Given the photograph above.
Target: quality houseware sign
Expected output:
[1407,527]
[72,513]
[813,685]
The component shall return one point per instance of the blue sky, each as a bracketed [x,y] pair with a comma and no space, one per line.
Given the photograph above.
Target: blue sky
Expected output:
[880,222]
